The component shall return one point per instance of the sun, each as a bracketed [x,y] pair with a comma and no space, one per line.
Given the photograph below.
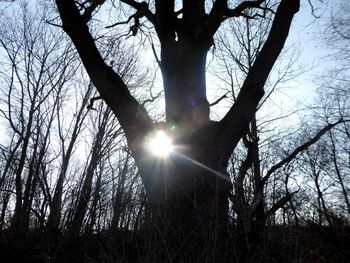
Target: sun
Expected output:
[160,144]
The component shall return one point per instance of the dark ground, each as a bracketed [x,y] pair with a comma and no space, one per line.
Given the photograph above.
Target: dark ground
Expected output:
[311,243]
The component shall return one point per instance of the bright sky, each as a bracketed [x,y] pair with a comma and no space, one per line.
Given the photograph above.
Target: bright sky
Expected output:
[305,38]
[306,32]
[310,33]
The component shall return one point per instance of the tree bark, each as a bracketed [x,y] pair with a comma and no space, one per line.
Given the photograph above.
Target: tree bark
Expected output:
[183,70]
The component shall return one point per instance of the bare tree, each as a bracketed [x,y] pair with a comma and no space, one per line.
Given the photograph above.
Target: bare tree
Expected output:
[106,131]
[193,200]
[66,153]
[34,74]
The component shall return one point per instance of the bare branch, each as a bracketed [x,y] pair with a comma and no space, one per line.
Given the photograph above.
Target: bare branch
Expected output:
[219,99]
[152,99]
[299,149]
[313,9]
[132,116]
[253,87]
[280,203]
[91,104]
[155,55]
[220,12]
[121,23]
[142,8]
[238,11]
[91,8]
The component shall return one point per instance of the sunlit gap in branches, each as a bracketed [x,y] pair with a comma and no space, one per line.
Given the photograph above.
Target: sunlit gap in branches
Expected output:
[161,145]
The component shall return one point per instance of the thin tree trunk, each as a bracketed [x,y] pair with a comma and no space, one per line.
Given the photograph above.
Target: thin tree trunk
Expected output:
[56,204]
[17,220]
[95,200]
[338,173]
[321,202]
[96,153]
[120,193]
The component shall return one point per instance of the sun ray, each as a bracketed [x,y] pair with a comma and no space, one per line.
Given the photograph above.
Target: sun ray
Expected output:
[218,174]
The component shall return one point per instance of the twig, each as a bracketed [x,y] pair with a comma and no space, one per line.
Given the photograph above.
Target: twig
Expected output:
[219,99]
[92,100]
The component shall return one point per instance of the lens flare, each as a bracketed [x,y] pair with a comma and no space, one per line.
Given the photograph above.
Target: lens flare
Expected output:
[160,144]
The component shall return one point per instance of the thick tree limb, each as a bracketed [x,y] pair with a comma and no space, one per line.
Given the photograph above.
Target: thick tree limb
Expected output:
[242,7]
[220,12]
[236,121]
[215,17]
[193,14]
[132,117]
[91,8]
[298,150]
[165,19]
[280,203]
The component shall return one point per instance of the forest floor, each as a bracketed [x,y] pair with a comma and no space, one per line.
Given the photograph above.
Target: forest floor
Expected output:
[309,244]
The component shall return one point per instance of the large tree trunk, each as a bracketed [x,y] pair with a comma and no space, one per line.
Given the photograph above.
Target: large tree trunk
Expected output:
[183,69]
[193,216]
[188,193]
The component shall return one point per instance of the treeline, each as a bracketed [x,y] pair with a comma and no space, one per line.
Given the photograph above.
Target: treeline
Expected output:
[66,172]
[64,163]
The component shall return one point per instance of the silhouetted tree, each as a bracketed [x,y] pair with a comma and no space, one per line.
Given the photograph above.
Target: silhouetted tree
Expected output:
[189,202]
[34,74]
[66,153]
